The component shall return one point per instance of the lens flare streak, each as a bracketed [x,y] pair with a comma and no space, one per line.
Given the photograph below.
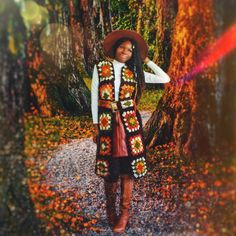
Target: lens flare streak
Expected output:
[223,46]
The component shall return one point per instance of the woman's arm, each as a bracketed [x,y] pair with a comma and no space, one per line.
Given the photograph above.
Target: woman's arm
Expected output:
[94,103]
[94,95]
[159,77]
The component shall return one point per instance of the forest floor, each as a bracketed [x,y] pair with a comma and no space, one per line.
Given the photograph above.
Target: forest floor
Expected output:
[73,167]
[176,197]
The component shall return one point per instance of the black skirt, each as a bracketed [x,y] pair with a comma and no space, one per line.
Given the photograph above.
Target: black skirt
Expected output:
[117,167]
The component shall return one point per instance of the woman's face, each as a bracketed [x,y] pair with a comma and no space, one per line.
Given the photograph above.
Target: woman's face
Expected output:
[124,52]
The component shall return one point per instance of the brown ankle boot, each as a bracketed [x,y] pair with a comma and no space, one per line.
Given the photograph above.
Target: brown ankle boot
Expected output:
[110,192]
[127,183]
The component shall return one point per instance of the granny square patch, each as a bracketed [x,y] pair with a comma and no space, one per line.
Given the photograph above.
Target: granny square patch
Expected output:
[136,144]
[128,75]
[105,121]
[102,167]
[105,71]
[106,91]
[127,103]
[131,121]
[105,145]
[126,91]
[139,167]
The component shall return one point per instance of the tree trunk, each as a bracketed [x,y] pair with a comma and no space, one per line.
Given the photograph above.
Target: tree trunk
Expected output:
[61,55]
[186,114]
[17,216]
[139,17]
[226,84]
[166,13]
[36,76]
[105,17]
[89,11]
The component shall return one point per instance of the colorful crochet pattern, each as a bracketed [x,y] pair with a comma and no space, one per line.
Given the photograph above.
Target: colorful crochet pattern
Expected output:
[105,121]
[106,92]
[126,91]
[127,103]
[105,146]
[104,71]
[139,167]
[102,168]
[128,75]
[131,121]
[130,118]
[136,144]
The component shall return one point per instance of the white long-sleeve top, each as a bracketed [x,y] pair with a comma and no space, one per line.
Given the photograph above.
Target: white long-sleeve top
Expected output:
[159,77]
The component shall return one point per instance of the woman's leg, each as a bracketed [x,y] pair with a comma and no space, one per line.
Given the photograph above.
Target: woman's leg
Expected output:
[127,183]
[110,192]
[110,186]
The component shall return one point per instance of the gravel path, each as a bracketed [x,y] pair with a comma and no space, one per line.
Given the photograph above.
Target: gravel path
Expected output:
[72,167]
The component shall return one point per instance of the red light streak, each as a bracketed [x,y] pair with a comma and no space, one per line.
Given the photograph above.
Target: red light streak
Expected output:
[223,46]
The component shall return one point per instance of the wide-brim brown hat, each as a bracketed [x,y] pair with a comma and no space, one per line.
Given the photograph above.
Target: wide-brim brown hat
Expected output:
[112,37]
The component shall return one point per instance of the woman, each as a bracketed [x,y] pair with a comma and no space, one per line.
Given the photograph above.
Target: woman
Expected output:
[117,87]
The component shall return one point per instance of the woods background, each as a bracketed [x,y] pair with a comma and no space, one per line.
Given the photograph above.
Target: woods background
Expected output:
[47,53]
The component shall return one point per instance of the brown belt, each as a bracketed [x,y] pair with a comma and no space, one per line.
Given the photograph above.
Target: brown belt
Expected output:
[115,105]
[108,104]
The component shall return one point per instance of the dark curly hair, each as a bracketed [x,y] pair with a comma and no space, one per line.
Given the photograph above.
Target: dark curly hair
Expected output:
[135,64]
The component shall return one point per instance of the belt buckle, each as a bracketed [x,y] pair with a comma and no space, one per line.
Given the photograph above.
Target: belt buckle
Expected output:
[114,106]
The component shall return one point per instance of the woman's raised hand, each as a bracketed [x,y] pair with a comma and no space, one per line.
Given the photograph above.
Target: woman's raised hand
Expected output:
[146,60]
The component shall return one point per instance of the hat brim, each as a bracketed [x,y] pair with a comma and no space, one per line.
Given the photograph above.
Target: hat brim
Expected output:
[112,37]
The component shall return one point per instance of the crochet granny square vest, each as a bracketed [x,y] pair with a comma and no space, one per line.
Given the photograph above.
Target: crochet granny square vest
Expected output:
[130,117]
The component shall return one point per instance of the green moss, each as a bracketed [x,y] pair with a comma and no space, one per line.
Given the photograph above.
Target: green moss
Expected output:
[150,99]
